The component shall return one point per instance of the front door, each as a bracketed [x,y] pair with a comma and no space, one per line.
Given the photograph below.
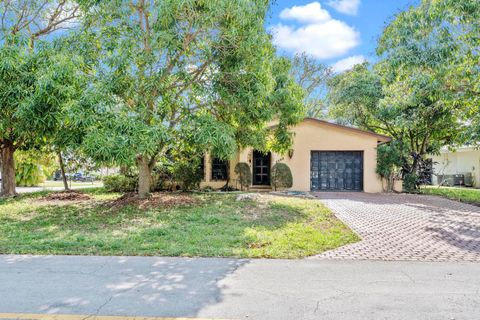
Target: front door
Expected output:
[261,168]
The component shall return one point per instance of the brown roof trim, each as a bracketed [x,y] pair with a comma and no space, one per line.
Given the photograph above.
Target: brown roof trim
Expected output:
[381,138]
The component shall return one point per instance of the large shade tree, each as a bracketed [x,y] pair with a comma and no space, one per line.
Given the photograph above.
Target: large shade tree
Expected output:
[173,73]
[313,77]
[35,79]
[423,91]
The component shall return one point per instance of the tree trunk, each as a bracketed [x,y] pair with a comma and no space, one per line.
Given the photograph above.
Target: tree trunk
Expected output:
[144,177]
[8,169]
[62,169]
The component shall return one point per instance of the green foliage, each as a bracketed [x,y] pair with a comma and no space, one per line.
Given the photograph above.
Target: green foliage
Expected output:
[468,195]
[410,182]
[389,163]
[214,226]
[33,167]
[171,74]
[33,88]
[313,77]
[37,79]
[354,96]
[242,170]
[436,44]
[281,176]
[421,90]
[120,183]
[186,173]
[76,161]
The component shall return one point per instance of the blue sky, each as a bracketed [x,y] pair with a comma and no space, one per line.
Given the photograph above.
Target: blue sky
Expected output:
[339,33]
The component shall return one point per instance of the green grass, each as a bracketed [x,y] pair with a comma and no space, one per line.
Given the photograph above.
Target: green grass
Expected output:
[460,194]
[273,227]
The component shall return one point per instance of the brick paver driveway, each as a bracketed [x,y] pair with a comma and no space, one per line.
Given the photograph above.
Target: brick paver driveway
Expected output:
[406,227]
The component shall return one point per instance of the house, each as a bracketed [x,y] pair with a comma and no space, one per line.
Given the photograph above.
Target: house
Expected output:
[324,157]
[460,166]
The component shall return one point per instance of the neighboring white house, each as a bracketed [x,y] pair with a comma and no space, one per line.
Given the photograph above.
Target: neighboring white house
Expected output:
[463,160]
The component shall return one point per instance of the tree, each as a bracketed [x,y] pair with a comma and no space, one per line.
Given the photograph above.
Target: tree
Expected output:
[34,78]
[172,72]
[455,28]
[389,163]
[354,97]
[414,92]
[312,76]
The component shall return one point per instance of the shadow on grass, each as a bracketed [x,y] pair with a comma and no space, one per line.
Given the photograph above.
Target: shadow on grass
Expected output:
[220,226]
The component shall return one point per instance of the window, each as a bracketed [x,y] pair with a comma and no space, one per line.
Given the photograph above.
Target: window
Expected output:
[219,169]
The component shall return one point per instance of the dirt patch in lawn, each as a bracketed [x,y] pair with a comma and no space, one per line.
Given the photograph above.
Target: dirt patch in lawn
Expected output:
[70,195]
[156,200]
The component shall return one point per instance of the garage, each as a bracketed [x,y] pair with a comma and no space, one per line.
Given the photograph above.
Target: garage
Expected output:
[336,171]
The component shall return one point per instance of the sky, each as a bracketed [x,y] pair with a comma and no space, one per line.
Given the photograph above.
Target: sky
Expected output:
[339,33]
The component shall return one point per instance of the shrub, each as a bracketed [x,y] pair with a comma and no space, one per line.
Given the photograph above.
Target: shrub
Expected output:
[186,173]
[281,176]
[389,163]
[162,177]
[33,167]
[120,183]
[242,170]
[410,182]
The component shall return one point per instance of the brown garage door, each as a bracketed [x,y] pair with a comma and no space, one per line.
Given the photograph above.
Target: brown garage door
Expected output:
[336,171]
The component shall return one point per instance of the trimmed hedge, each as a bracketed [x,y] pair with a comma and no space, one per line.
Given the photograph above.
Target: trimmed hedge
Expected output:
[120,183]
[281,176]
[242,170]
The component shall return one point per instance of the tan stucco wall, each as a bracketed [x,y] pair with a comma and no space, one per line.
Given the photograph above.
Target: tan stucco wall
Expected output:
[459,162]
[314,136]
[216,184]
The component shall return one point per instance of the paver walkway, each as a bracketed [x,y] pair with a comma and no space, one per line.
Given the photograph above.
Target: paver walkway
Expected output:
[406,227]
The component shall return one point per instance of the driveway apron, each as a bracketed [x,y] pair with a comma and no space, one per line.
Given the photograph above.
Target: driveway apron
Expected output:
[406,227]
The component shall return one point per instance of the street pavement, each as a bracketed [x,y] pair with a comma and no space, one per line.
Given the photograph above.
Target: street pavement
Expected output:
[237,288]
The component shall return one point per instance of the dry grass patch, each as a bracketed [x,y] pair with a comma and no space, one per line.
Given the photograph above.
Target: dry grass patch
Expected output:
[160,200]
[70,195]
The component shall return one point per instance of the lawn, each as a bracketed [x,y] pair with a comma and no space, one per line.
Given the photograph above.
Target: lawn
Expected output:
[460,194]
[207,225]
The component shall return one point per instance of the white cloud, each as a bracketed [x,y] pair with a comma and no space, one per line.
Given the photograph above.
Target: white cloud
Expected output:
[349,7]
[347,63]
[312,12]
[319,35]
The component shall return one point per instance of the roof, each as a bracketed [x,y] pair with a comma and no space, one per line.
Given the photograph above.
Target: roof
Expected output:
[380,137]
[462,148]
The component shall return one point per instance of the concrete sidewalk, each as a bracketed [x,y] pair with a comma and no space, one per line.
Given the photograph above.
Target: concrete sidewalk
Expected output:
[238,289]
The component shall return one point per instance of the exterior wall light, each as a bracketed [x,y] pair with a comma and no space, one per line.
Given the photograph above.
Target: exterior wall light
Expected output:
[290,153]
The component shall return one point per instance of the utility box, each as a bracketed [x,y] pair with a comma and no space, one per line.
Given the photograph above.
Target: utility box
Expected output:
[458,180]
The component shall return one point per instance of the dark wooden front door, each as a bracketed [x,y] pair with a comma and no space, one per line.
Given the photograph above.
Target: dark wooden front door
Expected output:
[336,171]
[261,168]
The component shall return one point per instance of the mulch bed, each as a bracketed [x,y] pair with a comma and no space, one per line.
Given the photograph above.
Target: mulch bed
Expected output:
[70,195]
[156,200]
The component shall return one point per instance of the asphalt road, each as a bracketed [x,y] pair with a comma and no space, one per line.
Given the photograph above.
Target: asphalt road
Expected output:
[238,289]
